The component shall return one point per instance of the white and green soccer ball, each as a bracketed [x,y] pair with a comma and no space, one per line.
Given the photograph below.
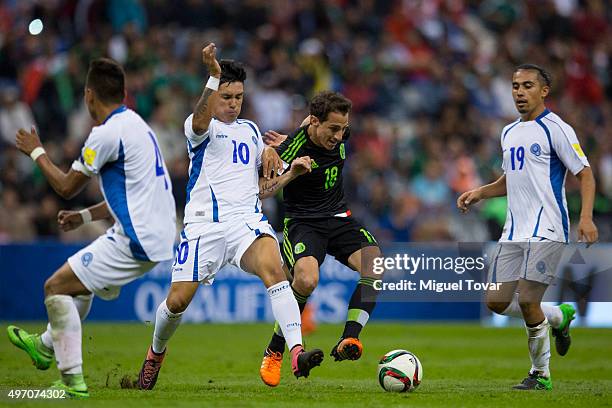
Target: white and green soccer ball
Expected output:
[399,371]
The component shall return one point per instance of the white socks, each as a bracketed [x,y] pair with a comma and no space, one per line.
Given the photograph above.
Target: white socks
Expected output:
[539,347]
[553,313]
[83,305]
[166,323]
[66,333]
[286,312]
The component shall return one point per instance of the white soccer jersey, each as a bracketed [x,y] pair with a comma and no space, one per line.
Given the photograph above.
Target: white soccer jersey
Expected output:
[124,153]
[223,173]
[536,157]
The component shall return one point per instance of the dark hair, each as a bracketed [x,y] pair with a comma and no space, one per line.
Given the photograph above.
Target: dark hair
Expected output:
[327,101]
[107,79]
[232,71]
[543,76]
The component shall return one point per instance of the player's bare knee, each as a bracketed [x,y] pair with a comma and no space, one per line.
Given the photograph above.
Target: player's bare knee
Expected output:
[497,306]
[528,307]
[305,283]
[177,303]
[271,272]
[306,275]
[52,286]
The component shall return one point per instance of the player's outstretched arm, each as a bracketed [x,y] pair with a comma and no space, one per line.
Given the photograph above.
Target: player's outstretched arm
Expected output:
[202,112]
[69,220]
[299,166]
[587,231]
[67,185]
[495,189]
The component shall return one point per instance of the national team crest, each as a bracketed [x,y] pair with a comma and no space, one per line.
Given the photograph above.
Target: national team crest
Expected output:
[86,258]
[299,248]
[536,149]
[541,267]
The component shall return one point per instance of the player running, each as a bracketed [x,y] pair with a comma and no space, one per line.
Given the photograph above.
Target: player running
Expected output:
[122,151]
[538,149]
[318,222]
[223,219]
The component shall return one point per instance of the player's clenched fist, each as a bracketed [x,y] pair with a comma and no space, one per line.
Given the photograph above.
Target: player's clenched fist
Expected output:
[210,60]
[468,198]
[301,165]
[69,220]
[27,141]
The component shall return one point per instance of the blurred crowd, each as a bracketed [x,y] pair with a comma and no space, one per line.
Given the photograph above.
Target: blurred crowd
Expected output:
[430,82]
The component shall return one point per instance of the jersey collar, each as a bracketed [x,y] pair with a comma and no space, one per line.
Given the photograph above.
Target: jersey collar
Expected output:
[120,109]
[540,116]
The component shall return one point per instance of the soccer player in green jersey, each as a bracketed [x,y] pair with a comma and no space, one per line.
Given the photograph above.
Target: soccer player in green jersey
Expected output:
[319,222]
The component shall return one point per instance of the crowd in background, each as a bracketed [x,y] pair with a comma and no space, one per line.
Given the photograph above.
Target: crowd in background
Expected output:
[430,83]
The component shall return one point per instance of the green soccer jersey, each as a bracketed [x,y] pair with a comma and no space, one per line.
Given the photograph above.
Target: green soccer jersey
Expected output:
[319,193]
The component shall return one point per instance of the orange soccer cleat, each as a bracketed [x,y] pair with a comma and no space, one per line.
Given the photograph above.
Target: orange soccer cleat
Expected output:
[349,348]
[270,370]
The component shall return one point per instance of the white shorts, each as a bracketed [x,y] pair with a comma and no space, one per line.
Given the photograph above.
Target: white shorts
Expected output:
[107,264]
[534,260]
[208,246]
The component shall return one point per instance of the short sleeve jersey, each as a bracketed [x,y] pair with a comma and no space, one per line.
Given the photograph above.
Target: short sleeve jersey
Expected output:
[224,170]
[124,153]
[536,157]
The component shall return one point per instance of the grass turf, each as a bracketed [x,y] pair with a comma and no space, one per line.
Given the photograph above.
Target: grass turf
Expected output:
[217,365]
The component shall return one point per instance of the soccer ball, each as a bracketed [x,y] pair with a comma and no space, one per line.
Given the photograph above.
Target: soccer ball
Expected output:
[399,371]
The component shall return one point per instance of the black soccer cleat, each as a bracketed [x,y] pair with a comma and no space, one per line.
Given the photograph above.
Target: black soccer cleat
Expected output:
[303,361]
[535,381]
[563,340]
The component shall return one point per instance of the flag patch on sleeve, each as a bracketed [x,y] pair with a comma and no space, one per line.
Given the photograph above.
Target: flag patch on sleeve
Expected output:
[89,155]
[578,149]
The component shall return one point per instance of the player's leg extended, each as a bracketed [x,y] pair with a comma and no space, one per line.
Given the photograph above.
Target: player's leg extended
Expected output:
[66,328]
[263,259]
[506,268]
[530,297]
[559,317]
[167,319]
[508,265]
[304,281]
[40,347]
[361,304]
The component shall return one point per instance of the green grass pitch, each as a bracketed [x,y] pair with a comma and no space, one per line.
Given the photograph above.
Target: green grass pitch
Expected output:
[464,365]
